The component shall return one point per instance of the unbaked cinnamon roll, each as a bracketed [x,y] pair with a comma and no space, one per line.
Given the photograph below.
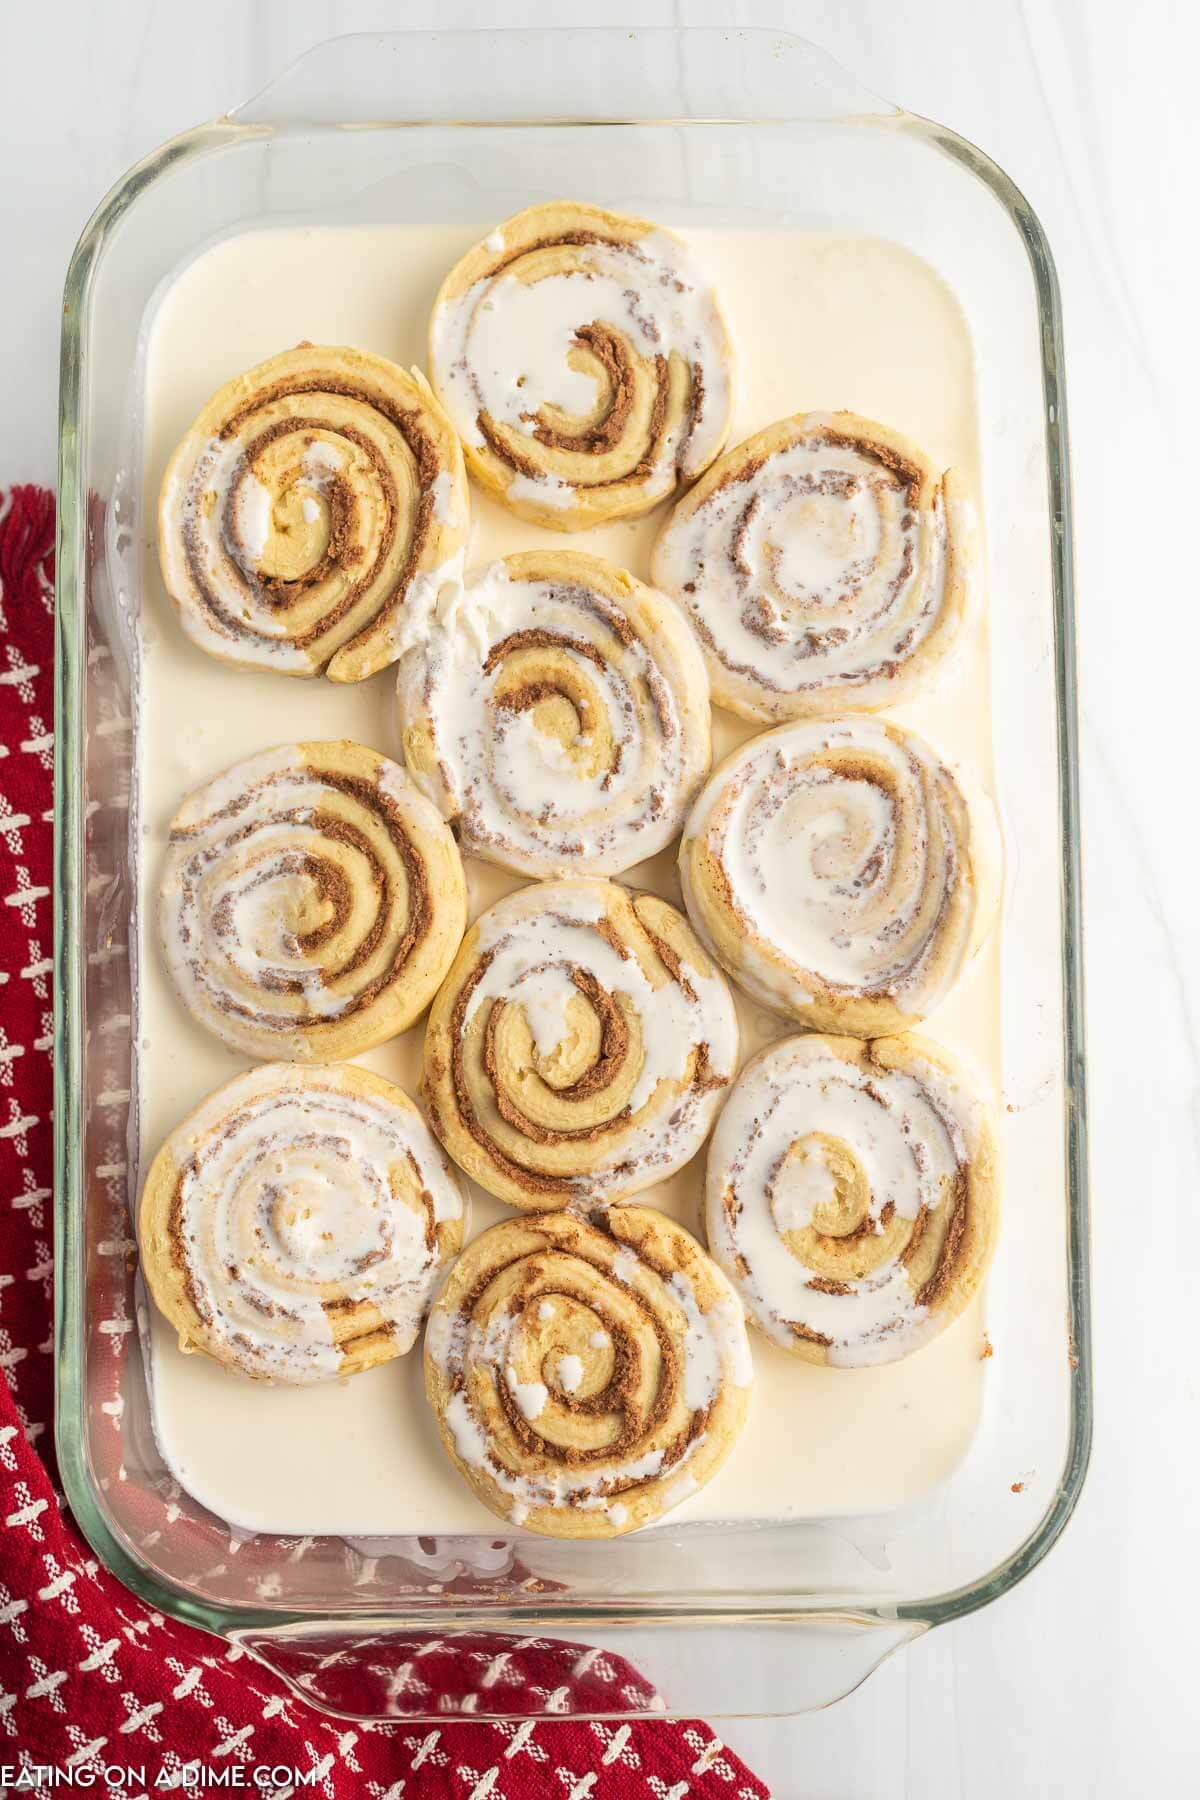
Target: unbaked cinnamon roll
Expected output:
[852,1195]
[579,1047]
[585,363]
[822,564]
[586,1379]
[295,1224]
[835,869]
[311,514]
[311,902]
[557,714]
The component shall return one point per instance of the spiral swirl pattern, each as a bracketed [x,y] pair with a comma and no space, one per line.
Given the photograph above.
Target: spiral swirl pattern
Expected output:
[833,868]
[558,717]
[586,1380]
[294,1226]
[822,566]
[852,1195]
[311,902]
[585,363]
[579,1046]
[312,512]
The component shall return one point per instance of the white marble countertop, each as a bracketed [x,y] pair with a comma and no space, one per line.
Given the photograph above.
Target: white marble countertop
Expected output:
[1081,1681]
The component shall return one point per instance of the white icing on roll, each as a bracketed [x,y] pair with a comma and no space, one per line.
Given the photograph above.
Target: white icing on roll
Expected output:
[557,714]
[651,1386]
[503,348]
[817,566]
[829,866]
[839,1183]
[532,958]
[299,1195]
[310,501]
[579,1047]
[577,351]
[311,900]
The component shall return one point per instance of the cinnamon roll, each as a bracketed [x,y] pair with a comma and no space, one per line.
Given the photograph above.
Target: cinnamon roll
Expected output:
[835,870]
[585,363]
[312,900]
[312,512]
[852,1195]
[295,1224]
[557,714]
[822,565]
[587,1379]
[579,1046]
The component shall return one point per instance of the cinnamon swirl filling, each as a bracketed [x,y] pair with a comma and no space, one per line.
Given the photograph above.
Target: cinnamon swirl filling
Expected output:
[312,513]
[579,1046]
[585,364]
[295,1224]
[311,902]
[823,566]
[851,1195]
[838,873]
[558,716]
[587,1379]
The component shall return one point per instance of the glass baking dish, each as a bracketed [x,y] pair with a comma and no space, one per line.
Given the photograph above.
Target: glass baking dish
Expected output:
[723,128]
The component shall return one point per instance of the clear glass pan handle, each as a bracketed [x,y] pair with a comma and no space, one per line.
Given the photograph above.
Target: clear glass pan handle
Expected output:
[413,77]
[637,1668]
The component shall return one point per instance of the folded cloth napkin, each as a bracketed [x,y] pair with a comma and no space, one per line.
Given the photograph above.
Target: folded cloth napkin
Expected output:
[92,1680]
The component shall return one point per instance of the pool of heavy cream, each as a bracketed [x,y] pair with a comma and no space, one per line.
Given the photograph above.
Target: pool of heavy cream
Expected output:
[820,322]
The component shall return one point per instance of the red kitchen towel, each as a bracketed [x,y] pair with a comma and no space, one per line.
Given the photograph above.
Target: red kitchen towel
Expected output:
[92,1680]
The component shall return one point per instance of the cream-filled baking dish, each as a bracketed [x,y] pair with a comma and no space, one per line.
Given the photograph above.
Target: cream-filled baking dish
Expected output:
[823,1552]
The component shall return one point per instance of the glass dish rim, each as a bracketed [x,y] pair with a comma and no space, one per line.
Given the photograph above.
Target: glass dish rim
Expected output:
[68,1062]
